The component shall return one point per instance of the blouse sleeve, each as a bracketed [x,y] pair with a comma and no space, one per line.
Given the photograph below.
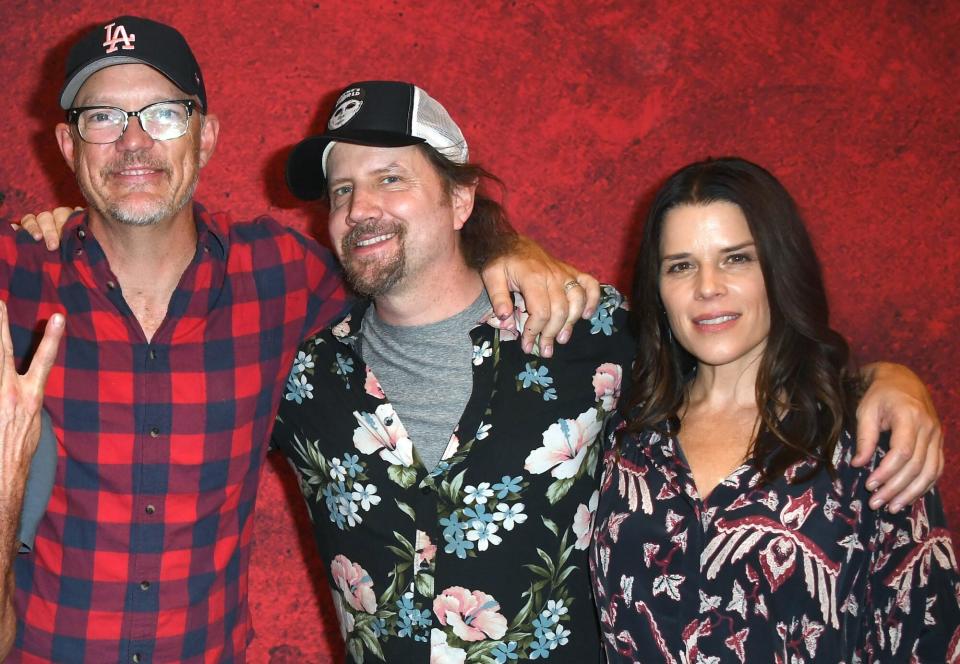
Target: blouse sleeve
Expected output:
[914,590]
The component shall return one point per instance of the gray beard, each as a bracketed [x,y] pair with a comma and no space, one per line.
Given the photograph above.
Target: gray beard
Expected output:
[155,213]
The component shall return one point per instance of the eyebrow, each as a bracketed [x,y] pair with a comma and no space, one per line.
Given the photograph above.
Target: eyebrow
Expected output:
[389,168]
[725,250]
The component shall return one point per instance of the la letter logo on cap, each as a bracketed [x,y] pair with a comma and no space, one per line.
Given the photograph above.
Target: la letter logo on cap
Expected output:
[118,35]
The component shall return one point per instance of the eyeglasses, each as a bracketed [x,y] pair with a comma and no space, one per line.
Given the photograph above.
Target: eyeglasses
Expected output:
[162,121]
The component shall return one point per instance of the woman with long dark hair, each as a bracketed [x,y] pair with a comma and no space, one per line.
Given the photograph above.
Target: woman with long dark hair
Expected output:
[731,524]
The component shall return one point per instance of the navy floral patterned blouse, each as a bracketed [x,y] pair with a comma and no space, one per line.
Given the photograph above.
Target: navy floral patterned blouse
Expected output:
[789,572]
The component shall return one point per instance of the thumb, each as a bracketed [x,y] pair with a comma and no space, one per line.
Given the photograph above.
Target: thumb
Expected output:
[868,433]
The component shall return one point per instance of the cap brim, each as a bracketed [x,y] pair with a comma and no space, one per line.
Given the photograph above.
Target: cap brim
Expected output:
[72,87]
[305,177]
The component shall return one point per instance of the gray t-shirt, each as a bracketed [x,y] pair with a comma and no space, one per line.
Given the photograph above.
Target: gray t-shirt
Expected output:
[39,484]
[425,371]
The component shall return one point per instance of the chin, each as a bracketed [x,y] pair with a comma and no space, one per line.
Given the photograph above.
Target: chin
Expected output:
[140,215]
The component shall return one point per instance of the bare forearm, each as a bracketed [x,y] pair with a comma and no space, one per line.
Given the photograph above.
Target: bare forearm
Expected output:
[9,524]
[8,618]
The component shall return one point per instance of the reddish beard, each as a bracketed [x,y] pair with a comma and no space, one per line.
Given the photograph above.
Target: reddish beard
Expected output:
[375,275]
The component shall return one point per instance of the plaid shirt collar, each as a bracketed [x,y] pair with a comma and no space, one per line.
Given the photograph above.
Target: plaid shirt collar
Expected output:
[213,235]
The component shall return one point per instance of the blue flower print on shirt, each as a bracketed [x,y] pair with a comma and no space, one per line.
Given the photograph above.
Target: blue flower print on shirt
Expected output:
[534,375]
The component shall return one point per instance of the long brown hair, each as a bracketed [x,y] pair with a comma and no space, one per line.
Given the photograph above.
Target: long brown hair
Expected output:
[487,234]
[804,373]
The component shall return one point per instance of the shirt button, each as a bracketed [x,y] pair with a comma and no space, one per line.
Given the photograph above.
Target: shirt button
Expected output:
[136,658]
[81,233]
[144,585]
[154,432]
[111,284]
[152,354]
[149,509]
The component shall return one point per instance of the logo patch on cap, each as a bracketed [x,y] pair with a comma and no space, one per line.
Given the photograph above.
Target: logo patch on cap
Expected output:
[116,35]
[347,106]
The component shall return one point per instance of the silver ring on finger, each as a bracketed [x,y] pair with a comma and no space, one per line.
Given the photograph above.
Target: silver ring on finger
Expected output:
[570,284]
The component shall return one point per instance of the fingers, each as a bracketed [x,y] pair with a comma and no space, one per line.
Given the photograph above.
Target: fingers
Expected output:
[921,484]
[868,433]
[29,223]
[7,362]
[45,355]
[905,435]
[556,319]
[591,288]
[576,302]
[498,290]
[892,476]
[536,299]
[47,226]
[909,469]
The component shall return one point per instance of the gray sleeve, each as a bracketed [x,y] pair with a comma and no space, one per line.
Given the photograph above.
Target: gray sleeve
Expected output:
[39,484]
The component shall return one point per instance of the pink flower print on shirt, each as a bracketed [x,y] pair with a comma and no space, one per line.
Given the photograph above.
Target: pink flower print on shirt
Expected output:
[382,432]
[372,386]
[606,385]
[583,521]
[355,584]
[473,615]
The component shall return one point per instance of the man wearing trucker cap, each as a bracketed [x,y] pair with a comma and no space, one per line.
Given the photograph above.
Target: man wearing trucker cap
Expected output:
[182,329]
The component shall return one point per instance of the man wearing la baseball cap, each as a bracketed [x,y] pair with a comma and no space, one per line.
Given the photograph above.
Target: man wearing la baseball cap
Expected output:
[134,40]
[449,529]
[183,328]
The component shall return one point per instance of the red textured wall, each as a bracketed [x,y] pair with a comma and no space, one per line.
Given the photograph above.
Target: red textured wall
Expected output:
[582,108]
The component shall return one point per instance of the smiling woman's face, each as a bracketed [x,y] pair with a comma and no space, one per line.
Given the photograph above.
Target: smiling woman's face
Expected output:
[711,284]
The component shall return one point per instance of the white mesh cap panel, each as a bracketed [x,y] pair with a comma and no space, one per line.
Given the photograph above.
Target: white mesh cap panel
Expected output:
[432,123]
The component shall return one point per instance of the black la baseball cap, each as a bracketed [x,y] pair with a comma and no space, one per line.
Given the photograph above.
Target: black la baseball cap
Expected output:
[385,114]
[133,40]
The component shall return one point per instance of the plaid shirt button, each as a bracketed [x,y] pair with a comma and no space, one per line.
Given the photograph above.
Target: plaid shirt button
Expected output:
[150,509]
[144,585]
[154,432]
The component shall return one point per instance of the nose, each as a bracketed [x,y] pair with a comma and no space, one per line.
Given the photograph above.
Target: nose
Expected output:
[709,283]
[134,137]
[364,205]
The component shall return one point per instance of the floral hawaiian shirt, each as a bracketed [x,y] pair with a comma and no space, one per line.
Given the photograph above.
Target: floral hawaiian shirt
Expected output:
[484,557]
[792,572]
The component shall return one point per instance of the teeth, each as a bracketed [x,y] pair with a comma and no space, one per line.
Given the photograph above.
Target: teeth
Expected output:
[138,172]
[716,321]
[374,240]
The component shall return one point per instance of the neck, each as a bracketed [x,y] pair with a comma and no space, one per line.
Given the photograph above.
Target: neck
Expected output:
[147,253]
[434,297]
[148,261]
[727,387]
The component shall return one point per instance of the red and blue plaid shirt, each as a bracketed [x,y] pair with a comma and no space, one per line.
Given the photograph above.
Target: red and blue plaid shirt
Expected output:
[144,551]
